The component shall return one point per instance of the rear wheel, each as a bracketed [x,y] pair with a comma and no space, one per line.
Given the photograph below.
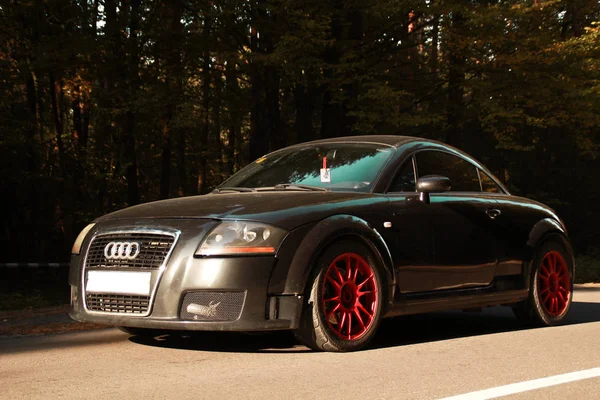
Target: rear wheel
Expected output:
[551,287]
[345,300]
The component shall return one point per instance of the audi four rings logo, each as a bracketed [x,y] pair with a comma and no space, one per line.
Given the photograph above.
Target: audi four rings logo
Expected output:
[122,250]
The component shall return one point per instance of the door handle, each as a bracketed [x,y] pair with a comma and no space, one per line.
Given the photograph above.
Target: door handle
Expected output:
[493,213]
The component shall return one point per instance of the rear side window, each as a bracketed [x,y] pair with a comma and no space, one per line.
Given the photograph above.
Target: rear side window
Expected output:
[463,175]
[404,181]
[487,184]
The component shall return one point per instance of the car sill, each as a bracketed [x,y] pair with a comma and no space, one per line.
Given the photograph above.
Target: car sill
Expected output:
[407,307]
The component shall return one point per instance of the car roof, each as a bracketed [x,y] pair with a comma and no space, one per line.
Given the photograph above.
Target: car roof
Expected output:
[389,140]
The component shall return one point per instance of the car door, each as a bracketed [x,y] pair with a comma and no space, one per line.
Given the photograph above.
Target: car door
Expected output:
[512,223]
[454,246]
[409,235]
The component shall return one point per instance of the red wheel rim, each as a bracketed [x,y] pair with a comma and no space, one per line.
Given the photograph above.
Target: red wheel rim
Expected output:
[554,283]
[349,296]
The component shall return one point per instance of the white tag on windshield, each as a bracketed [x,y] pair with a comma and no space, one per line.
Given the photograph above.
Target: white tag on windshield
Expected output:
[325,175]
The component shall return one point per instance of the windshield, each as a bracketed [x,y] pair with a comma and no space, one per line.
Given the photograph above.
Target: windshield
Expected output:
[335,166]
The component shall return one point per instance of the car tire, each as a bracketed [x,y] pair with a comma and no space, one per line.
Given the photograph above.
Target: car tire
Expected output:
[344,299]
[141,332]
[551,287]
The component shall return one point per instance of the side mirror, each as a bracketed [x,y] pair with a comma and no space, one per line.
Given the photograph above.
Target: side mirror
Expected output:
[432,184]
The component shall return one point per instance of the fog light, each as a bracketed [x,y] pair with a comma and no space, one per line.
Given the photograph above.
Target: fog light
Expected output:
[73,295]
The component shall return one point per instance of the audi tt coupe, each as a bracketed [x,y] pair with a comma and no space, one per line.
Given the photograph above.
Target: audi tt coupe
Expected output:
[326,238]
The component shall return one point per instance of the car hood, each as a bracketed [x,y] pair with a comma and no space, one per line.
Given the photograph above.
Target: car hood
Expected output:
[283,208]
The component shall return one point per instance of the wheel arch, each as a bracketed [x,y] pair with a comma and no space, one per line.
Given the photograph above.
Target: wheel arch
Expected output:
[324,234]
[544,230]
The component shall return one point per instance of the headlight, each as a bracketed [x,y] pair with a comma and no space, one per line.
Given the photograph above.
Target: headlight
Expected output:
[77,245]
[241,238]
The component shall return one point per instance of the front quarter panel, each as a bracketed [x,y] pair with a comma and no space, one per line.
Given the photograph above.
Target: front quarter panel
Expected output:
[291,276]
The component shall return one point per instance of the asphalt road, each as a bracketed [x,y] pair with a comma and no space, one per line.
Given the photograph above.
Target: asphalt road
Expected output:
[420,357]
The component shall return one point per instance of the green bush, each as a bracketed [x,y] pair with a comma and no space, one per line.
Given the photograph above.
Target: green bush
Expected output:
[588,267]
[31,299]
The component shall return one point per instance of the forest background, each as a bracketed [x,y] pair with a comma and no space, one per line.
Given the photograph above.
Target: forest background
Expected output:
[106,103]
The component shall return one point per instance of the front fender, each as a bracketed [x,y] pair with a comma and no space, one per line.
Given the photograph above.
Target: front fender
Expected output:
[291,277]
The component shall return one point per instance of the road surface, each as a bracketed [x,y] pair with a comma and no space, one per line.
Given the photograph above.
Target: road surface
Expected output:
[418,357]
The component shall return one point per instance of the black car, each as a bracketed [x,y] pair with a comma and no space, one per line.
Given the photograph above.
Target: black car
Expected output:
[326,238]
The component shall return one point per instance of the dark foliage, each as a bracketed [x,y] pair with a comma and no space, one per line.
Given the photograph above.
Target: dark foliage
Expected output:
[108,103]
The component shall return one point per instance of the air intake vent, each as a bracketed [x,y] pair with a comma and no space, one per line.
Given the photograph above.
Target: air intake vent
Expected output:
[117,303]
[212,306]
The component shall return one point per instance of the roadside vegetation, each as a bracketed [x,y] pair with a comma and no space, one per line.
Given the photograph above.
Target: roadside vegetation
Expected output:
[106,104]
[588,268]
[26,288]
[31,299]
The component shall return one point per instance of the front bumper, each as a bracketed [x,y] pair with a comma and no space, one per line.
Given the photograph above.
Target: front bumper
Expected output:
[185,274]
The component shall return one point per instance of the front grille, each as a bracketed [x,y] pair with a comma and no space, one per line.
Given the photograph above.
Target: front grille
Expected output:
[212,306]
[117,303]
[154,248]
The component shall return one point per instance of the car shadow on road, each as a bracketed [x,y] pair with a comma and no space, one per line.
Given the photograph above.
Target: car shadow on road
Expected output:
[394,332]
[433,327]
[230,342]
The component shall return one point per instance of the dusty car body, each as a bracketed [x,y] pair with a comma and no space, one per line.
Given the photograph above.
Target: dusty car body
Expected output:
[327,238]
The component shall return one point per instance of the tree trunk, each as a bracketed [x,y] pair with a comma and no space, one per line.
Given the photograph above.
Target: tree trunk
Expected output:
[165,160]
[32,102]
[173,71]
[110,60]
[217,101]
[258,144]
[39,106]
[233,131]
[274,126]
[434,61]
[205,128]
[80,107]
[182,186]
[180,159]
[81,120]
[55,91]
[456,82]
[352,89]
[330,118]
[130,156]
[435,33]
[347,29]
[303,125]
[577,17]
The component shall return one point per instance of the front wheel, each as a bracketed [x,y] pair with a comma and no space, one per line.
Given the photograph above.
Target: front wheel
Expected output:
[344,300]
[551,291]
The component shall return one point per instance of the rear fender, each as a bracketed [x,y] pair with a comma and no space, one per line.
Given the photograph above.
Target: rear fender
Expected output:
[546,229]
[542,228]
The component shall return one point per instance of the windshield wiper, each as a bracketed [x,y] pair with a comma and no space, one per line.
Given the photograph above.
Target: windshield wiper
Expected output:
[299,186]
[233,189]
[280,186]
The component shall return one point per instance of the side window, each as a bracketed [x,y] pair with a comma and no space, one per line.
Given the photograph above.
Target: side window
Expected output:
[487,184]
[404,181]
[463,175]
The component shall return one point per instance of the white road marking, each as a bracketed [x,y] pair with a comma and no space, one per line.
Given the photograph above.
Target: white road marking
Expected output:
[534,384]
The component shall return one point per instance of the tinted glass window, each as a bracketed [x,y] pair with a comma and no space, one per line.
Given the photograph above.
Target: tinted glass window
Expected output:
[463,175]
[404,181]
[487,184]
[346,166]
